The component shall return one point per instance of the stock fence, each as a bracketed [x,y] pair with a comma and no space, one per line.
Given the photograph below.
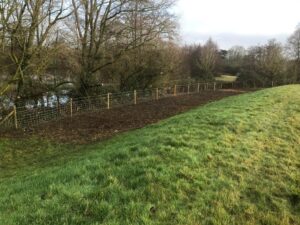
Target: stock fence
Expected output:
[30,116]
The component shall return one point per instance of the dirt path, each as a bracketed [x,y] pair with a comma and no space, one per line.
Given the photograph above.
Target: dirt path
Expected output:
[95,126]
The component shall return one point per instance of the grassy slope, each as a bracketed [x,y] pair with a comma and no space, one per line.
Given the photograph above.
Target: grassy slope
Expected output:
[235,161]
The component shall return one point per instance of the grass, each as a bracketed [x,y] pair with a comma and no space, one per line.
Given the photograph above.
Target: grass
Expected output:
[226,78]
[236,161]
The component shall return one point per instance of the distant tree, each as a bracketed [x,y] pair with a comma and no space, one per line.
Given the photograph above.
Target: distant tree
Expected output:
[251,71]
[234,60]
[204,60]
[236,54]
[293,49]
[209,59]
[264,64]
[293,45]
[156,64]
[192,57]
[272,61]
[186,59]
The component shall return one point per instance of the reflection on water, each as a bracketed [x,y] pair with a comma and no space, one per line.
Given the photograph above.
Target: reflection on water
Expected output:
[49,100]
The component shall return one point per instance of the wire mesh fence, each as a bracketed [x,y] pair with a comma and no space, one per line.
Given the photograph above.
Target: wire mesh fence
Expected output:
[30,116]
[9,120]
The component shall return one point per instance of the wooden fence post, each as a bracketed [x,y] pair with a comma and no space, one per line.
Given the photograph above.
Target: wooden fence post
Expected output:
[156,94]
[198,88]
[15,117]
[214,86]
[57,108]
[135,97]
[188,89]
[175,90]
[71,107]
[58,105]
[108,100]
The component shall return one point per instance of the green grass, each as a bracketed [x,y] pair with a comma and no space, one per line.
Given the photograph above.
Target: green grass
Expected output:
[236,161]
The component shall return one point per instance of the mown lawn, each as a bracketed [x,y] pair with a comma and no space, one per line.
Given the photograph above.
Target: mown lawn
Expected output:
[236,161]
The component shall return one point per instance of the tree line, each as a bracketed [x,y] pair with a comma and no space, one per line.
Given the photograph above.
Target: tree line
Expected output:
[266,64]
[52,46]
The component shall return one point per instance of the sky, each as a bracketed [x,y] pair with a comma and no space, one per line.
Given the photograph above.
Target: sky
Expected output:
[237,22]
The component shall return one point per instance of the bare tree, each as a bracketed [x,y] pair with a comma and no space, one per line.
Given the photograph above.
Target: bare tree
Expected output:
[235,54]
[265,64]
[203,60]
[293,45]
[107,29]
[26,31]
[293,48]
[272,62]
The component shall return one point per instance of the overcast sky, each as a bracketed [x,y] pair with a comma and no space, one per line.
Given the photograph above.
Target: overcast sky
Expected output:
[237,22]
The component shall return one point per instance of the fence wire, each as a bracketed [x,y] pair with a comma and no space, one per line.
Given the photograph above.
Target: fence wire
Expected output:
[32,116]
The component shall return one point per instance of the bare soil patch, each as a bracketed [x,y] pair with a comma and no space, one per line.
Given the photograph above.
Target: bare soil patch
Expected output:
[94,126]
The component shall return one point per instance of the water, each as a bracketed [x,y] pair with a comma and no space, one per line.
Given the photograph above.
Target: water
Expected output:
[48,100]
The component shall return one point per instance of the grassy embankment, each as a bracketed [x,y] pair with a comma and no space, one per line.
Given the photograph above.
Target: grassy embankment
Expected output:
[236,161]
